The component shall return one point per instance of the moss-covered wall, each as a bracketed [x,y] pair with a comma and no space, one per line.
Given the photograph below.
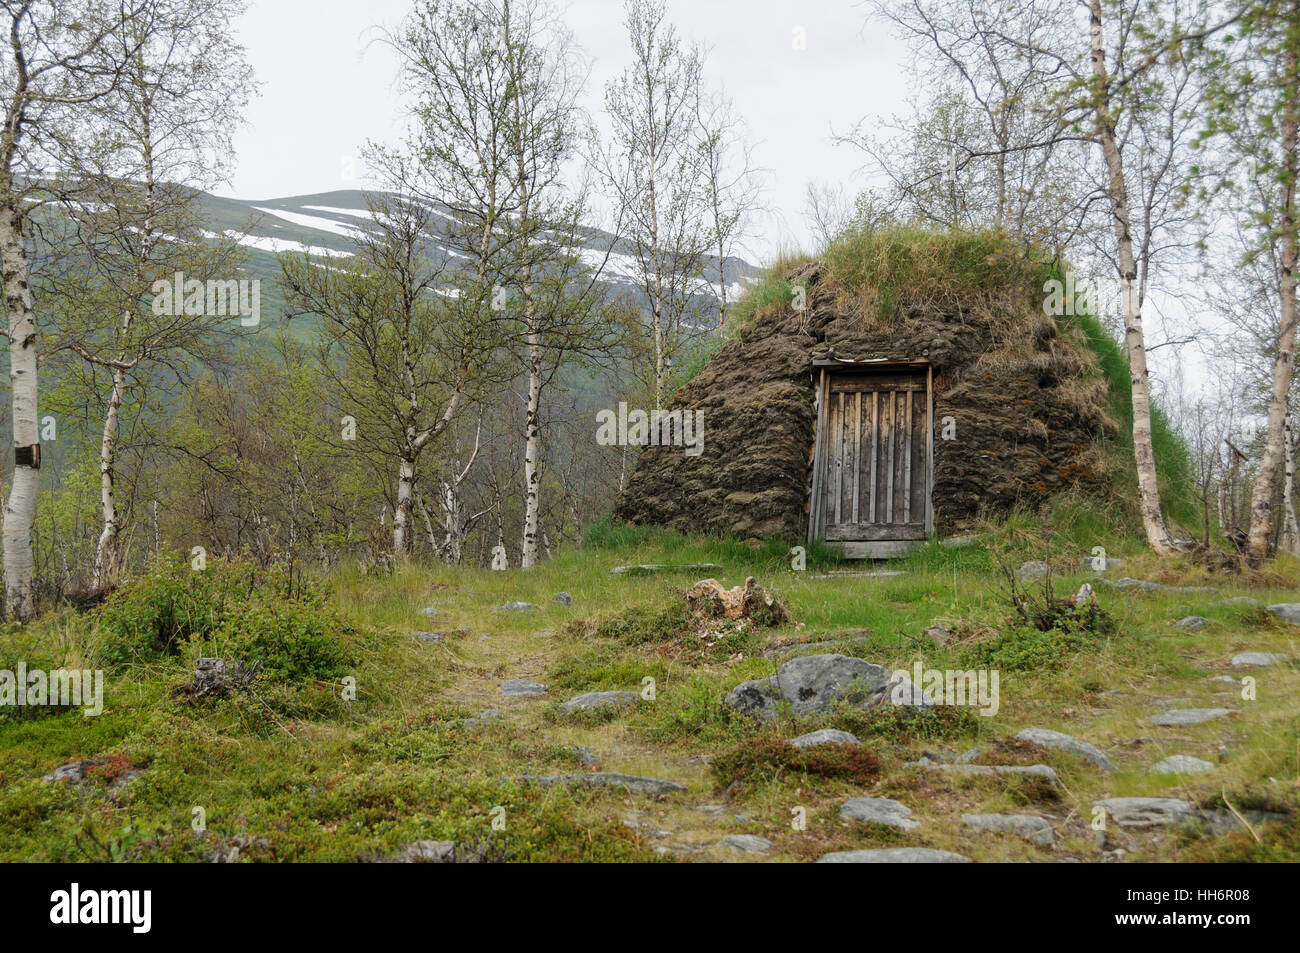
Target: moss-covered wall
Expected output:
[1027,402]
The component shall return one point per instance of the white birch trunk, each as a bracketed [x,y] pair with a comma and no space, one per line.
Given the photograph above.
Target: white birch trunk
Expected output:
[20,508]
[106,548]
[1134,340]
[1261,497]
[402,512]
[532,443]
[1290,528]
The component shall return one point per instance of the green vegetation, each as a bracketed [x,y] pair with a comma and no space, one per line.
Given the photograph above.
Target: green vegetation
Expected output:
[288,769]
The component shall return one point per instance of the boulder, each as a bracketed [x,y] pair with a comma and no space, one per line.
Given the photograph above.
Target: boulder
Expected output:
[1257,658]
[894,855]
[824,736]
[1181,764]
[600,700]
[1031,570]
[1030,826]
[1146,811]
[879,810]
[564,599]
[813,683]
[1288,611]
[522,688]
[516,607]
[1063,742]
[1191,623]
[750,843]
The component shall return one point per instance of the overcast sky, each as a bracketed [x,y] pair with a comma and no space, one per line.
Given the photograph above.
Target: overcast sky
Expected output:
[327,87]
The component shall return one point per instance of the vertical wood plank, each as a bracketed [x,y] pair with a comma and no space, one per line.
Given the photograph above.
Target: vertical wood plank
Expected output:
[837,429]
[875,447]
[907,465]
[889,473]
[857,450]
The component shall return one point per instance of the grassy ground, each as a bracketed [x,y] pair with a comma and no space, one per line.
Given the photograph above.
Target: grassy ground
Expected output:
[294,772]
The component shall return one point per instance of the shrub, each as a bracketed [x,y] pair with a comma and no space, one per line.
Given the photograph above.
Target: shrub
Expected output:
[295,639]
[768,758]
[154,615]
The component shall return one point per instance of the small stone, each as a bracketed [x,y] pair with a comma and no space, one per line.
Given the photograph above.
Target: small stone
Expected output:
[1029,826]
[487,714]
[746,842]
[894,855]
[516,607]
[1063,742]
[1188,716]
[879,810]
[430,611]
[988,770]
[1084,597]
[1033,569]
[72,771]
[825,736]
[1181,764]
[1225,678]
[940,635]
[1288,611]
[428,636]
[427,852]
[1257,658]
[564,599]
[1239,601]
[1191,623]
[1146,811]
[522,688]
[600,700]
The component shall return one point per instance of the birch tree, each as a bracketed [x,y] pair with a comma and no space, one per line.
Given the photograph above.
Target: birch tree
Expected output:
[138,219]
[1254,110]
[652,167]
[60,57]
[402,353]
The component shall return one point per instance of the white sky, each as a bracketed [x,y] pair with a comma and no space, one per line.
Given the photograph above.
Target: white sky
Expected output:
[327,87]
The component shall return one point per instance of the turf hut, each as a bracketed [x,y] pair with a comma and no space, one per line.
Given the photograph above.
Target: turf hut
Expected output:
[906,385]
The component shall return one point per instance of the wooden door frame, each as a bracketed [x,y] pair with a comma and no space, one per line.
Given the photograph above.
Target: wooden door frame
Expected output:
[825,369]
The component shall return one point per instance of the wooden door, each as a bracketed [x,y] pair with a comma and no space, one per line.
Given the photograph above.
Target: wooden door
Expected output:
[875,480]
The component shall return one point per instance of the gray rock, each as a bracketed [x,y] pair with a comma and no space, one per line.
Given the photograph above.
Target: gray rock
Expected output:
[564,599]
[987,770]
[894,855]
[1095,564]
[1240,601]
[487,714]
[427,852]
[1181,764]
[1289,611]
[1188,716]
[430,611]
[1191,623]
[516,607]
[1257,658]
[522,688]
[940,635]
[879,810]
[811,684]
[1063,742]
[1033,569]
[1129,583]
[633,783]
[1146,811]
[825,736]
[428,636]
[72,771]
[1030,826]
[746,842]
[1231,680]
[600,700]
